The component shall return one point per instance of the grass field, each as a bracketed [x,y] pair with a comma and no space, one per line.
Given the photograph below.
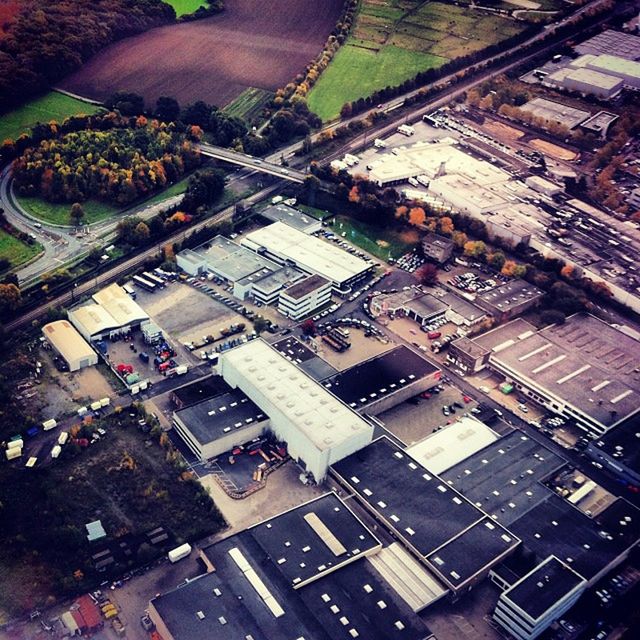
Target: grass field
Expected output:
[15,250]
[53,106]
[249,103]
[184,7]
[59,213]
[382,243]
[392,40]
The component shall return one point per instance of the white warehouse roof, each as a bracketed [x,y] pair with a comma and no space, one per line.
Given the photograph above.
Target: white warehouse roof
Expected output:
[92,320]
[68,343]
[445,448]
[308,252]
[120,305]
[324,419]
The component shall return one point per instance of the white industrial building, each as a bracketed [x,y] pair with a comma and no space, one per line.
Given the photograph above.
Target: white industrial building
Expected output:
[303,298]
[318,428]
[113,312]
[626,70]
[69,345]
[285,245]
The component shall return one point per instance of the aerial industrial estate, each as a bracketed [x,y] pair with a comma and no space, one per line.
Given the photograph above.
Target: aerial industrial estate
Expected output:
[355,354]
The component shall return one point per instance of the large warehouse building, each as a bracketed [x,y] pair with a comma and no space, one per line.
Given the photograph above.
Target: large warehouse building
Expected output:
[584,369]
[318,428]
[286,245]
[113,312]
[69,345]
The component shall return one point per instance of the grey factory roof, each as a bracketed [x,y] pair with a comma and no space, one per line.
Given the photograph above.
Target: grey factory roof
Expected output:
[380,376]
[295,351]
[468,310]
[199,390]
[314,538]
[291,216]
[306,286]
[509,295]
[587,545]
[504,478]
[213,418]
[470,347]
[585,362]
[504,335]
[233,261]
[616,43]
[423,510]
[272,281]
[426,306]
[543,587]
[555,111]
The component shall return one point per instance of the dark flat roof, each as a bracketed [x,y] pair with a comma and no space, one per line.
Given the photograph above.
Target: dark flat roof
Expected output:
[555,527]
[289,215]
[381,376]
[217,416]
[462,307]
[305,358]
[468,346]
[472,551]
[504,478]
[544,587]
[306,286]
[417,504]
[364,603]
[623,443]
[427,306]
[300,554]
[200,390]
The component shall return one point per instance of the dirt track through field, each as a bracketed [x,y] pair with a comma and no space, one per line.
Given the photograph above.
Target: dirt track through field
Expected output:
[254,43]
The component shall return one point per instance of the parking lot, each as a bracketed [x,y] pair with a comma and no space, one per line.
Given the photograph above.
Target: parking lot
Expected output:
[418,417]
[362,348]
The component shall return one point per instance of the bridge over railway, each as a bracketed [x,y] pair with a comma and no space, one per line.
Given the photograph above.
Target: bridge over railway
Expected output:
[250,162]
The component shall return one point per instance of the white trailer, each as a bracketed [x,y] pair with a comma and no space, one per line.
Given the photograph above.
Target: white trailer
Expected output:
[16,444]
[62,438]
[14,453]
[49,424]
[179,552]
[406,130]
[105,402]
[56,451]
[182,369]
[95,406]
[379,144]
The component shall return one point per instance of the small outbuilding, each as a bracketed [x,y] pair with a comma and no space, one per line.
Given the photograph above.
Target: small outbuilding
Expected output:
[69,345]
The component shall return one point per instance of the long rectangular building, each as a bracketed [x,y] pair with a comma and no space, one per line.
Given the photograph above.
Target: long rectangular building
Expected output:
[286,245]
[318,428]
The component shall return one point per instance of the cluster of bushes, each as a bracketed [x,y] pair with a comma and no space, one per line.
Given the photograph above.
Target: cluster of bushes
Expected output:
[118,165]
[215,6]
[51,38]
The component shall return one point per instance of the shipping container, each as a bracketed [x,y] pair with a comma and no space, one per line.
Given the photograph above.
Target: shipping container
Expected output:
[15,444]
[55,452]
[95,406]
[104,402]
[12,454]
[62,438]
[49,424]
[179,552]
[31,462]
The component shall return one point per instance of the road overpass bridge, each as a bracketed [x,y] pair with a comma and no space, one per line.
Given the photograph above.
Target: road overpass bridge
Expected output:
[257,164]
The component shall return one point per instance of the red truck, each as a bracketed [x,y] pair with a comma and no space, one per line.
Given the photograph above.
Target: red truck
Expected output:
[432,335]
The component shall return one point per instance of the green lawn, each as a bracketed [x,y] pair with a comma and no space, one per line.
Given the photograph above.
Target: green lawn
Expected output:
[174,190]
[249,103]
[356,73]
[382,243]
[15,250]
[392,40]
[183,7]
[59,213]
[53,106]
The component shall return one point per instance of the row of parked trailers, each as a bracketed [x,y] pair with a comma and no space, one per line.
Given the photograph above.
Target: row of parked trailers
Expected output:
[150,281]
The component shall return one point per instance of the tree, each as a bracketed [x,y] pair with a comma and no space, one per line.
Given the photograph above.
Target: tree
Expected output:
[496,260]
[9,297]
[552,316]
[127,103]
[459,238]
[446,225]
[76,214]
[308,327]
[141,233]
[474,248]
[417,216]
[167,109]
[427,274]
[260,324]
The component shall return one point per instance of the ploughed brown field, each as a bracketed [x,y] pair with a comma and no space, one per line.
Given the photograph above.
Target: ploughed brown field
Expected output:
[253,43]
